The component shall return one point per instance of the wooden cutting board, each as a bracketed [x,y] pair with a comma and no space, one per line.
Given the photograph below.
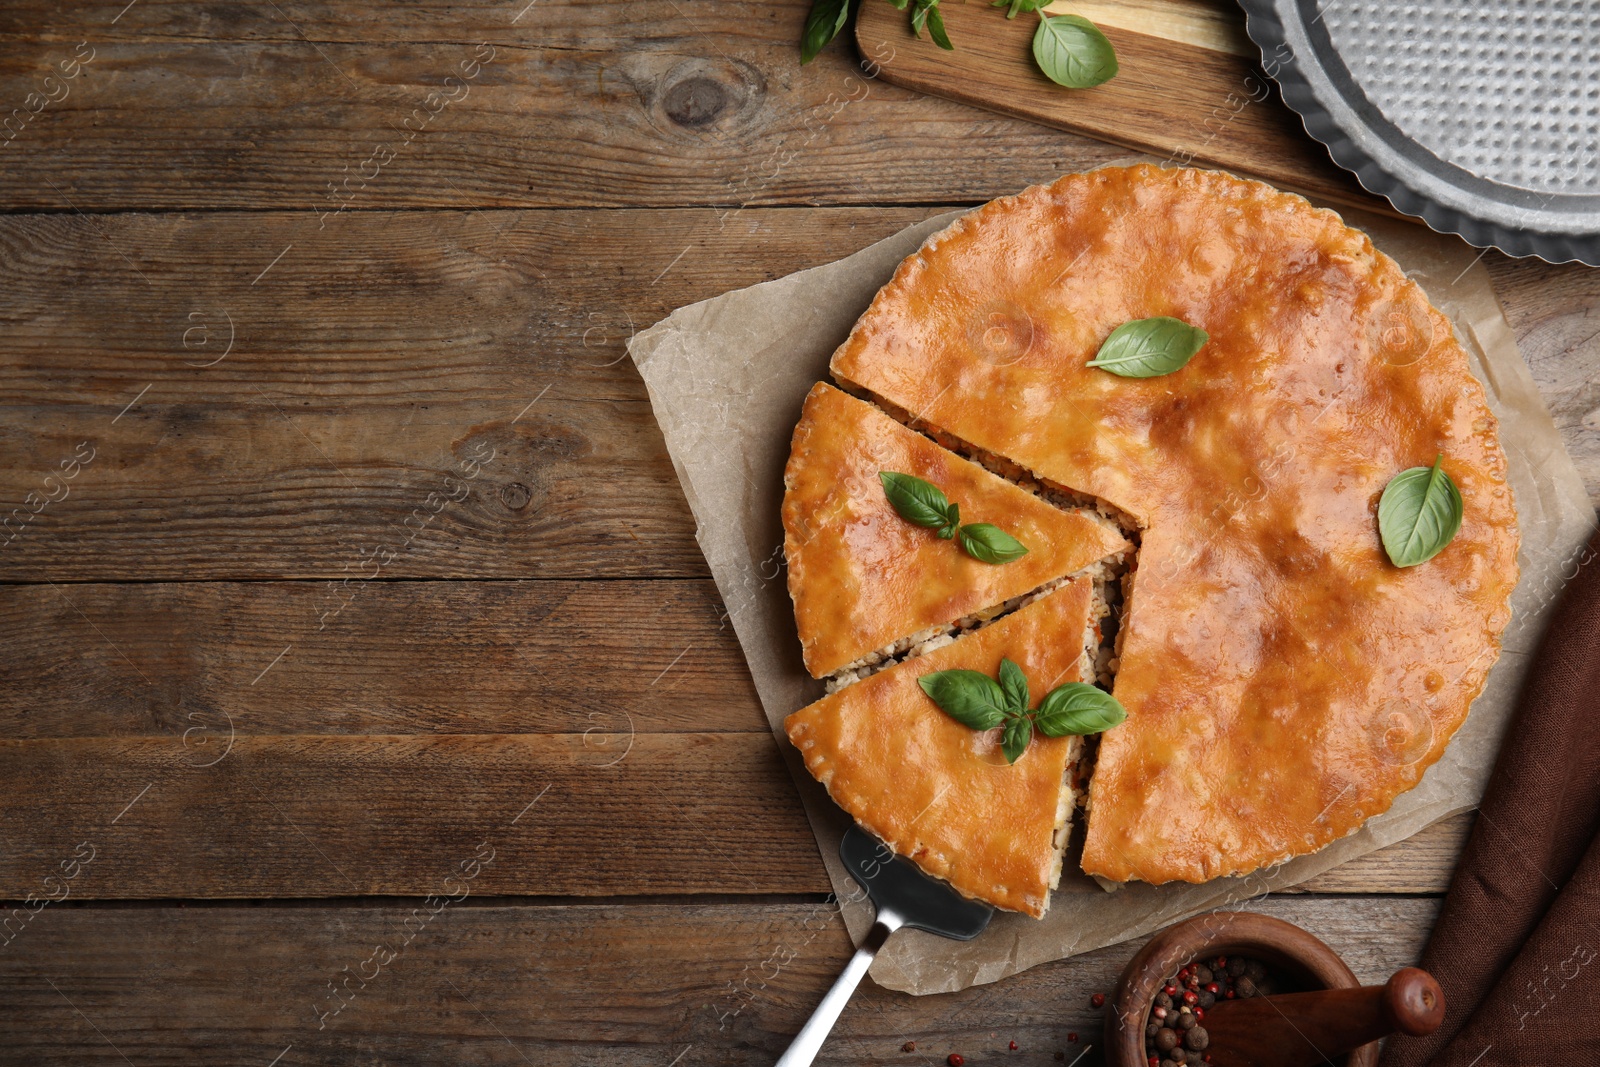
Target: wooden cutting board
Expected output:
[1190,88]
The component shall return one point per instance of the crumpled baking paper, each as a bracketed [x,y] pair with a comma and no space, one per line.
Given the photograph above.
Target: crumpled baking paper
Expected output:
[726,379]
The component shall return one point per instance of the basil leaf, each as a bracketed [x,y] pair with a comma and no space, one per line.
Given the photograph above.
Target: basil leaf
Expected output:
[969,697]
[990,544]
[1072,51]
[900,5]
[1014,742]
[1419,514]
[1077,708]
[936,27]
[1014,684]
[827,18]
[919,17]
[917,501]
[952,520]
[1146,348]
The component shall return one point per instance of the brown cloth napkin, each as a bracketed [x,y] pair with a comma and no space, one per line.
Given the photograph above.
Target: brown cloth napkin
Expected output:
[1517,944]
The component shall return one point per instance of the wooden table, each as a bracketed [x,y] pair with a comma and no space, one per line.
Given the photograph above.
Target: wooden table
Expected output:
[365,697]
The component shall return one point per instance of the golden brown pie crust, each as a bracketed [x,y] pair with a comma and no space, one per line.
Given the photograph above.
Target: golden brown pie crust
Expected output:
[861,576]
[940,792]
[1283,680]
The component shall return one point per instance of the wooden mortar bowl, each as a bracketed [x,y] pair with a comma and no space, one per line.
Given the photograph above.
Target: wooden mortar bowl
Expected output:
[1290,951]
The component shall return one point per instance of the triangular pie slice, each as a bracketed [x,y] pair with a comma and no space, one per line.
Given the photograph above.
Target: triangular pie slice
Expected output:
[863,578]
[942,793]
[1283,680]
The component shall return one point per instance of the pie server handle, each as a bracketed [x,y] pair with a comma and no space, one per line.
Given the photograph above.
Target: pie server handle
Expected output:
[808,1042]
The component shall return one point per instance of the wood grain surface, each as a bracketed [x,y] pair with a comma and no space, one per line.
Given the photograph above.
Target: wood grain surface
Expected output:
[371,556]
[718,985]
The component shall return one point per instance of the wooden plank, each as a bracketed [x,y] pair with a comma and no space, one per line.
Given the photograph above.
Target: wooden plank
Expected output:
[1555,311]
[154,659]
[692,103]
[707,985]
[1188,95]
[415,346]
[1422,863]
[277,489]
[216,815]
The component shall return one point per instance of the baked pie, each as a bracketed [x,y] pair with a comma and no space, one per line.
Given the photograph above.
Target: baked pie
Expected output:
[941,793]
[867,585]
[1283,680]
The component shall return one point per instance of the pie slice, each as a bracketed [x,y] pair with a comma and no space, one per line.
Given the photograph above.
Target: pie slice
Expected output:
[866,583]
[1283,680]
[942,793]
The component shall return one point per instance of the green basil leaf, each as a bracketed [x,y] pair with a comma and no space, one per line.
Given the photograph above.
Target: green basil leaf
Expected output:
[969,697]
[936,28]
[990,544]
[1014,742]
[1014,684]
[919,17]
[1146,348]
[1072,51]
[917,501]
[900,5]
[952,517]
[1078,708]
[1419,514]
[827,18]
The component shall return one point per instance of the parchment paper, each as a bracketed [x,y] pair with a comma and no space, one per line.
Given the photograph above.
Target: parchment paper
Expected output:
[727,377]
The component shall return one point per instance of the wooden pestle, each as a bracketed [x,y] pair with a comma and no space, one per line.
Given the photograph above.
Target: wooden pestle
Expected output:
[1305,1029]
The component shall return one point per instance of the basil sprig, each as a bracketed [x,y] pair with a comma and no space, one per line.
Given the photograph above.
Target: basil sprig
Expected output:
[1071,51]
[975,700]
[1419,514]
[924,504]
[1147,348]
[1019,5]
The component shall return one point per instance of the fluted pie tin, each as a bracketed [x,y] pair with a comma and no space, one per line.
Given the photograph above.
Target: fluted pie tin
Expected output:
[1481,117]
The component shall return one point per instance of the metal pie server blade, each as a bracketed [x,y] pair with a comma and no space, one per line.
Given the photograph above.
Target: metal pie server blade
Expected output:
[904,896]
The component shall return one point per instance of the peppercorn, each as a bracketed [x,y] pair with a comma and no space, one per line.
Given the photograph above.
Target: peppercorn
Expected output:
[1166,1040]
[1098,1000]
[1200,1013]
[1197,1038]
[1163,1000]
[909,1046]
[1245,987]
[1191,998]
[1152,1030]
[1254,971]
[1159,1012]
[1236,966]
[1206,1000]
[1073,1038]
[1186,1022]
[1203,973]
[956,1059]
[1170,990]
[1013,1046]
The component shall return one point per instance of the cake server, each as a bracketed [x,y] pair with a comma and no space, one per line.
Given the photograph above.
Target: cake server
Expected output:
[903,896]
